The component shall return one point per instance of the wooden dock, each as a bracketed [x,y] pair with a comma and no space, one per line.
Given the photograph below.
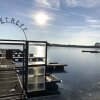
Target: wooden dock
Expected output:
[51,87]
[55,67]
[10,88]
[91,51]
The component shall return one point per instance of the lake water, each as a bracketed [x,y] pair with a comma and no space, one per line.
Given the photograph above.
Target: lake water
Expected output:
[81,79]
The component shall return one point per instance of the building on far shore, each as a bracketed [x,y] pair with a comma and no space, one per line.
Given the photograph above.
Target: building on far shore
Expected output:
[97,44]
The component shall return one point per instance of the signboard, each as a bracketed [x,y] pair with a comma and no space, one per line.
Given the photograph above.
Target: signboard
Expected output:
[15,22]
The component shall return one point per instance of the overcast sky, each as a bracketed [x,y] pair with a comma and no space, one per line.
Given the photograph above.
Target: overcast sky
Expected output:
[68,21]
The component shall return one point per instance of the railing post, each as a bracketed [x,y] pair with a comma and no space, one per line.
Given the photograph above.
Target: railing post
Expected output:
[26,68]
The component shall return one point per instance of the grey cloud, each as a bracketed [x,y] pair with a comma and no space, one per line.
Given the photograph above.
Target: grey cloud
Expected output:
[83,3]
[53,4]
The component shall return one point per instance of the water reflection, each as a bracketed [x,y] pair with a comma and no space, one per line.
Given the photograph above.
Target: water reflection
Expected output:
[38,53]
[83,70]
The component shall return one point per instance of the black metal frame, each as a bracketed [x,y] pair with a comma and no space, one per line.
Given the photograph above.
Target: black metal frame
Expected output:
[25,45]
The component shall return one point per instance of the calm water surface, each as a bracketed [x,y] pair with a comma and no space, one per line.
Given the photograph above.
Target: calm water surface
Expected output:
[81,80]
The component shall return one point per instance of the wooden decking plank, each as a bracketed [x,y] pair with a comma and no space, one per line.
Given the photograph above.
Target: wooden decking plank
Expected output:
[9,84]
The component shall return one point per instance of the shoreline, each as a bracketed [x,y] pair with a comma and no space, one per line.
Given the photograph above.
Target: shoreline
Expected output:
[75,46]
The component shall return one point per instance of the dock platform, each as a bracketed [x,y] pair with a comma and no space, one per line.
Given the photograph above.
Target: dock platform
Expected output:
[51,67]
[51,87]
[10,88]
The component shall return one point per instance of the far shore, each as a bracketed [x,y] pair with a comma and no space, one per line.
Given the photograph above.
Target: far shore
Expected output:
[76,46]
